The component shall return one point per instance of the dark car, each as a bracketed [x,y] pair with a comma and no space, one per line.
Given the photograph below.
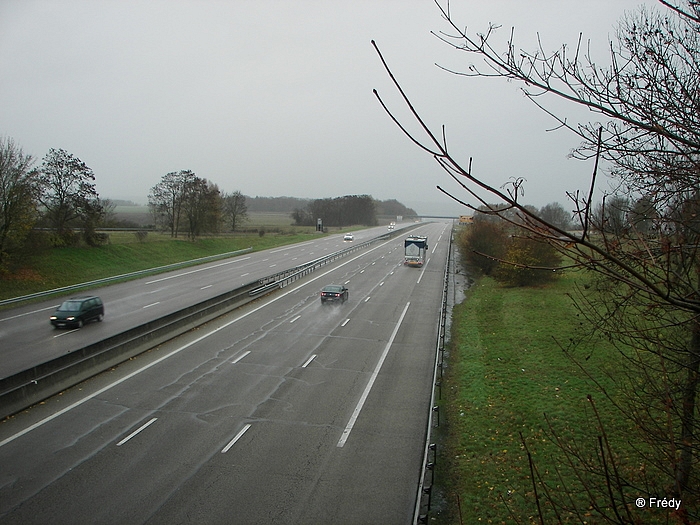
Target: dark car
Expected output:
[334,293]
[78,311]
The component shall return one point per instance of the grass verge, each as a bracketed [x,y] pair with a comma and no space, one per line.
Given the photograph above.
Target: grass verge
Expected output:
[506,370]
[57,267]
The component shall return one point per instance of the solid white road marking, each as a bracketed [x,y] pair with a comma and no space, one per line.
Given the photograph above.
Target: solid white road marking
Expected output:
[295,246]
[423,271]
[372,379]
[238,436]
[53,307]
[66,333]
[198,270]
[142,427]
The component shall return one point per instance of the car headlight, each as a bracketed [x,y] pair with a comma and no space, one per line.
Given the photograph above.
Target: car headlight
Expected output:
[53,318]
[71,318]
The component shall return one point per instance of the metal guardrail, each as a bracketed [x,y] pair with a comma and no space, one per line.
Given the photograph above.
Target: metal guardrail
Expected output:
[427,477]
[130,275]
[283,278]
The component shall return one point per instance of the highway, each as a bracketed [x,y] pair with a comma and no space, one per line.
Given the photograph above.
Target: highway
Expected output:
[27,338]
[284,411]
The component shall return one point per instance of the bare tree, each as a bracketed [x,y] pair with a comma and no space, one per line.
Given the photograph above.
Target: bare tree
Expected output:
[648,290]
[611,216]
[201,206]
[555,213]
[166,199]
[235,209]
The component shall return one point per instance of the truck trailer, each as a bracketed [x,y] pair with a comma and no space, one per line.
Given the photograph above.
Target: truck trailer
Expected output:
[415,248]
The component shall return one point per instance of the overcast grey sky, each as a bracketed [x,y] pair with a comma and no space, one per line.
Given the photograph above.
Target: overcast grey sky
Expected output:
[275,98]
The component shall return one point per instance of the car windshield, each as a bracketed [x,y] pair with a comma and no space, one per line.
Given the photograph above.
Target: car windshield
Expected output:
[70,306]
[334,289]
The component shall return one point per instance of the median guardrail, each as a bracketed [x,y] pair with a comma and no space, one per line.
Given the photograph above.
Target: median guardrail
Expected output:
[31,386]
[42,381]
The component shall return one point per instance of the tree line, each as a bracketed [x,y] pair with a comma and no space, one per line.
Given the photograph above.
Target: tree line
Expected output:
[57,203]
[348,210]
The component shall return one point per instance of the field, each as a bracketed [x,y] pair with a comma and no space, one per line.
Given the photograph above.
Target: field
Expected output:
[507,376]
[126,252]
[270,221]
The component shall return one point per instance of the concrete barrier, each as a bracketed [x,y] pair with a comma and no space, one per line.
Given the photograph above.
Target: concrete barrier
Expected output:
[31,386]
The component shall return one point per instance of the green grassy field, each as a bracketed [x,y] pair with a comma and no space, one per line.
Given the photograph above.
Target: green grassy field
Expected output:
[506,370]
[274,221]
[125,252]
[58,267]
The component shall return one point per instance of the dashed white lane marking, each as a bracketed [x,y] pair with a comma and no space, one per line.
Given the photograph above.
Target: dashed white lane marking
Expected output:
[236,438]
[142,427]
[345,322]
[295,319]
[240,357]
[308,361]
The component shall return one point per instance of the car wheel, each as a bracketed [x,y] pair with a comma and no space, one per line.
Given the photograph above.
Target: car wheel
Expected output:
[100,317]
[80,323]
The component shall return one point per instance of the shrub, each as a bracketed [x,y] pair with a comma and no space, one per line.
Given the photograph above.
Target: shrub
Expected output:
[529,263]
[482,237]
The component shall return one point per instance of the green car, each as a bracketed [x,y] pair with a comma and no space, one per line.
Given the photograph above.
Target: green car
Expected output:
[78,311]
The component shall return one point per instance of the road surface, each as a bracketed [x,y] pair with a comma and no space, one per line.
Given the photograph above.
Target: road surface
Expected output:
[284,411]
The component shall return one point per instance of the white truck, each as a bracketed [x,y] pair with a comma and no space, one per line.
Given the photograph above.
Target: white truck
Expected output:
[415,248]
